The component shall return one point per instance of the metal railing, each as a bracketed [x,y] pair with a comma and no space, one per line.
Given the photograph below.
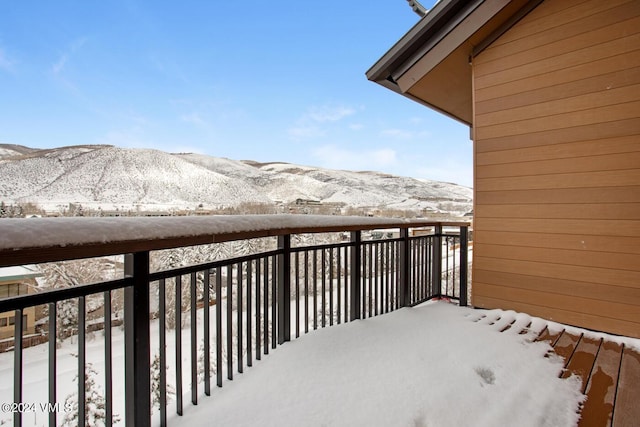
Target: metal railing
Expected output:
[237,309]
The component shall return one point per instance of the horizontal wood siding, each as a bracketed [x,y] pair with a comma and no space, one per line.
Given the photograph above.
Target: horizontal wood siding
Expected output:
[557,166]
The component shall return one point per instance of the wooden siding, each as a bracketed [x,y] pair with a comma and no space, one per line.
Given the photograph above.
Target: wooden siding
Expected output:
[557,166]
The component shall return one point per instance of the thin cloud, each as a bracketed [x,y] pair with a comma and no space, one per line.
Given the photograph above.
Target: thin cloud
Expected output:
[313,123]
[6,63]
[133,137]
[334,157]
[305,132]
[329,113]
[59,65]
[404,134]
[194,118]
[450,171]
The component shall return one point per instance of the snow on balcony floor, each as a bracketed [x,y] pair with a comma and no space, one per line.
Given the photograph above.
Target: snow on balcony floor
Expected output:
[430,365]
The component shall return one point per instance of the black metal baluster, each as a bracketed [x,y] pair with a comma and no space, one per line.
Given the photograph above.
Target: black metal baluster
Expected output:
[219,326]
[274,303]
[178,349]
[108,372]
[315,289]
[391,261]
[207,332]
[417,277]
[239,307]
[365,279]
[306,292]
[137,341]
[436,263]
[229,322]
[162,308]
[265,308]
[385,277]
[423,283]
[331,287]
[282,291]
[258,308]
[323,284]
[453,279]
[17,365]
[194,339]
[376,277]
[297,275]
[347,283]
[446,254]
[249,313]
[339,284]
[82,359]
[52,360]
[429,269]
[404,285]
[414,271]
[464,253]
[355,276]
[393,277]
[371,279]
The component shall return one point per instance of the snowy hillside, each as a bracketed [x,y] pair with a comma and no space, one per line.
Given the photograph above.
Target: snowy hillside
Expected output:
[109,177]
[10,150]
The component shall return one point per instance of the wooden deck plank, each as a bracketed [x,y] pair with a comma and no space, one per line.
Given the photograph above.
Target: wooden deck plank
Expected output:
[627,411]
[582,360]
[609,372]
[566,345]
[601,389]
[503,324]
[548,336]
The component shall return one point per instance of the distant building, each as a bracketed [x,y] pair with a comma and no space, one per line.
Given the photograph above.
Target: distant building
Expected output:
[307,202]
[14,281]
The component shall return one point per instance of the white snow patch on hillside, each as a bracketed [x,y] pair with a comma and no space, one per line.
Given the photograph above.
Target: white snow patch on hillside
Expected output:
[110,177]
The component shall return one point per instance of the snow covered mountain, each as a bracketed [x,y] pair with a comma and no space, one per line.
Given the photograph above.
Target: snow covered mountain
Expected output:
[110,177]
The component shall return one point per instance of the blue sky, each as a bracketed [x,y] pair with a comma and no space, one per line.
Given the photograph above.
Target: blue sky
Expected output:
[254,79]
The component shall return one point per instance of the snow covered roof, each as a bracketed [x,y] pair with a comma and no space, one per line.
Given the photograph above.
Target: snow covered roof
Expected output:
[17,273]
[47,239]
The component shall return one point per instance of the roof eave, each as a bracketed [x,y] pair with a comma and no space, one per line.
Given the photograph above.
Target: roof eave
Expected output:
[403,49]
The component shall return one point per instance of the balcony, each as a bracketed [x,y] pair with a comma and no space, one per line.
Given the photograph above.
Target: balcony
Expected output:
[183,332]
[232,312]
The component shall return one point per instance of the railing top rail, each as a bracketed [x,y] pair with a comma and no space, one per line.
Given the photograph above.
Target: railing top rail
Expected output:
[35,240]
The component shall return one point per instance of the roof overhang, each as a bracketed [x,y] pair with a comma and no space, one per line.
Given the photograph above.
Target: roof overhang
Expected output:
[17,273]
[431,63]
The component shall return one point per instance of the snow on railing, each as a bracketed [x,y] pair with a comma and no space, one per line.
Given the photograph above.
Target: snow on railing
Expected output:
[216,316]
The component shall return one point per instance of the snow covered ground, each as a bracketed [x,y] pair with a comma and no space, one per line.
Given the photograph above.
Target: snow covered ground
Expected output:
[430,365]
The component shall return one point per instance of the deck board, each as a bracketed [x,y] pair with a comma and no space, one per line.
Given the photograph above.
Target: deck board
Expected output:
[601,388]
[566,345]
[626,411]
[610,373]
[548,336]
[582,360]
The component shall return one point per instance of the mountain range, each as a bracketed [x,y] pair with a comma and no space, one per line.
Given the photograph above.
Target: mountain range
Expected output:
[109,177]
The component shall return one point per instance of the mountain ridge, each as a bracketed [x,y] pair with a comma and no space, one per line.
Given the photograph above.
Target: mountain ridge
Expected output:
[109,177]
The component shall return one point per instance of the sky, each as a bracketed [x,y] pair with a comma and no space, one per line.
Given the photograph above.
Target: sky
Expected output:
[247,80]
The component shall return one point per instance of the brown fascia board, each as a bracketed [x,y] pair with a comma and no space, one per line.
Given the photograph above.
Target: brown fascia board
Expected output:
[404,49]
[433,31]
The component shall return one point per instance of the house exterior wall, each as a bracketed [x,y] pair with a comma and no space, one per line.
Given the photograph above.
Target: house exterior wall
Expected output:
[557,166]
[7,319]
